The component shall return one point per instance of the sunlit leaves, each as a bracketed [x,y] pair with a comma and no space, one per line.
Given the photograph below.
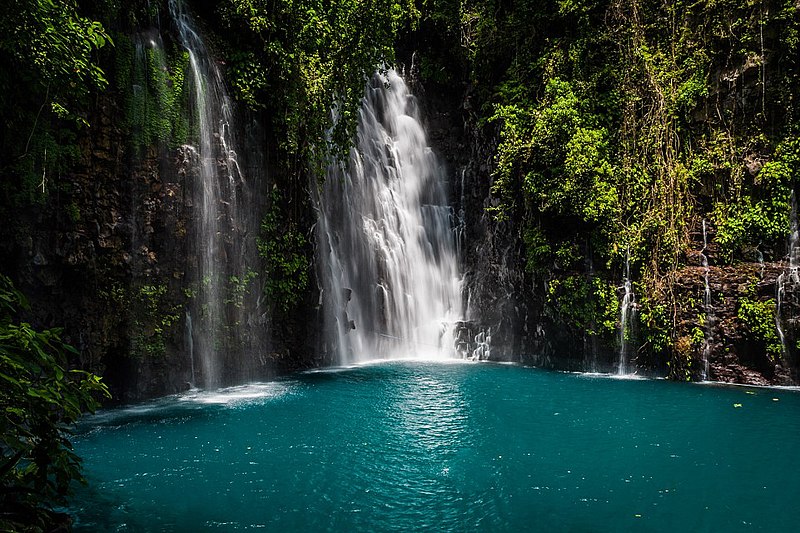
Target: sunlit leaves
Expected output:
[759,319]
[763,215]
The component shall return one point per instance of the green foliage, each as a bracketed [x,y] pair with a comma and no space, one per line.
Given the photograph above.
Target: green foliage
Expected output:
[237,288]
[656,324]
[52,46]
[153,320]
[698,336]
[308,56]
[561,162]
[249,78]
[73,212]
[762,216]
[284,249]
[48,67]
[537,249]
[40,400]
[623,124]
[534,144]
[682,363]
[759,319]
[155,93]
[151,317]
[589,305]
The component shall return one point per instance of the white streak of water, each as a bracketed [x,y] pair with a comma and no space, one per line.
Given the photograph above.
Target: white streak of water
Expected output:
[708,307]
[189,332]
[626,308]
[222,218]
[792,271]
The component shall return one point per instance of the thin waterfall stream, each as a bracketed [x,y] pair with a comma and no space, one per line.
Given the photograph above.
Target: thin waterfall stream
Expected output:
[387,252]
[627,306]
[793,272]
[189,334]
[707,305]
[223,218]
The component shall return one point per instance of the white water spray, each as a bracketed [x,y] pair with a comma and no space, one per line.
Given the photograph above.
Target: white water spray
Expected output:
[387,248]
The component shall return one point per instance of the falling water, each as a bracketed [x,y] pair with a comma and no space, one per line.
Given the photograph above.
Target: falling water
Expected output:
[794,274]
[628,303]
[709,309]
[387,249]
[794,266]
[222,218]
[461,226]
[189,333]
[483,346]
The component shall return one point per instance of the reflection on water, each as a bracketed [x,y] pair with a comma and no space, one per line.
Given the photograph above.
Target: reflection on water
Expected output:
[429,414]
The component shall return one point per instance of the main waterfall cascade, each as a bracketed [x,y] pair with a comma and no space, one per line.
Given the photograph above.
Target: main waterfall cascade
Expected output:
[222,247]
[387,250]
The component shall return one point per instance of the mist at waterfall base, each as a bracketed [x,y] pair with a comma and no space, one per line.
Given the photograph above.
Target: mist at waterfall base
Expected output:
[446,446]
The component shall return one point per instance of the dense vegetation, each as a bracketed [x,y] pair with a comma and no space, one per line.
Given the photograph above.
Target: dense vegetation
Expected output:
[622,125]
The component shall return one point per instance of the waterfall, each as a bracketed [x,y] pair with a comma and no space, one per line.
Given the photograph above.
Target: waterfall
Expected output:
[386,246]
[627,306]
[483,346]
[189,333]
[709,309]
[793,272]
[794,267]
[223,245]
[461,226]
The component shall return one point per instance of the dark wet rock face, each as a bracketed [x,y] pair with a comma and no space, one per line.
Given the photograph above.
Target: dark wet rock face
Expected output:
[739,353]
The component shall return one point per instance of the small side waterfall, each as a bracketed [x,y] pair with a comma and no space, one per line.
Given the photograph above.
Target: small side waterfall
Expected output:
[793,272]
[483,346]
[189,333]
[386,245]
[461,226]
[223,246]
[708,307]
[627,307]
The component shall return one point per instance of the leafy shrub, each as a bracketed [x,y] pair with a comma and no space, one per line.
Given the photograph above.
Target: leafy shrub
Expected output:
[40,400]
[759,318]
